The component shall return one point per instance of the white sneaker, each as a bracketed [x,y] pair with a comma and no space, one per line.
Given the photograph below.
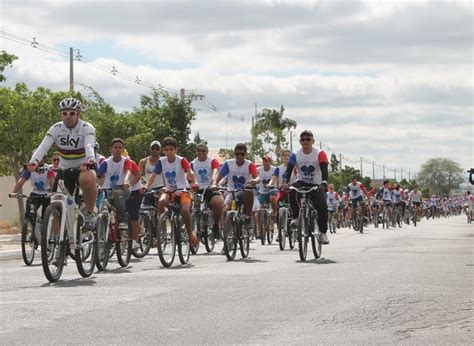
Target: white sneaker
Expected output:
[324,238]
[122,225]
[135,245]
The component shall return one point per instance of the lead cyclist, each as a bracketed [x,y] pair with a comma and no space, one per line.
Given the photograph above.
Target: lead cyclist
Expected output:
[75,141]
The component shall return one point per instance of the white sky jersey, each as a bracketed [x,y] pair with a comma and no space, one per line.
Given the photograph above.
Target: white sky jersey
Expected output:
[75,145]
[355,191]
[386,194]
[159,177]
[238,176]
[307,165]
[280,171]
[415,196]
[397,196]
[203,171]
[39,181]
[173,173]
[332,197]
[265,177]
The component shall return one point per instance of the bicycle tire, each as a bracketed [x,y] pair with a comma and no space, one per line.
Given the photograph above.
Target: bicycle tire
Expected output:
[230,238]
[196,221]
[145,237]
[166,240]
[209,239]
[123,247]
[87,253]
[28,241]
[103,242]
[316,245]
[244,242]
[282,229]
[302,238]
[51,247]
[263,221]
[292,237]
[269,229]
[184,244]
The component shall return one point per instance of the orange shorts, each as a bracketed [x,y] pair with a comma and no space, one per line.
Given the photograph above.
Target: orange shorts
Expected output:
[185,198]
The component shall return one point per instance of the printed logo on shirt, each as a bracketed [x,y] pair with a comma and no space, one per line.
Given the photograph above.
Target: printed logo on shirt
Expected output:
[171,177]
[308,172]
[203,176]
[238,181]
[39,185]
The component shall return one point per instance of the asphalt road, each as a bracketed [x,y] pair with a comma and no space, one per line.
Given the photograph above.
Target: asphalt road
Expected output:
[404,286]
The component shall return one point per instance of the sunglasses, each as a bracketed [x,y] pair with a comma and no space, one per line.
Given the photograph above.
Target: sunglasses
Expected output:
[155,148]
[306,139]
[70,113]
[239,154]
[55,160]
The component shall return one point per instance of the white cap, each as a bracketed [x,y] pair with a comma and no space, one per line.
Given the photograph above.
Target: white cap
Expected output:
[155,143]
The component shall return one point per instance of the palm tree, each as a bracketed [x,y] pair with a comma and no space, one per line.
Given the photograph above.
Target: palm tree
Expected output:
[271,124]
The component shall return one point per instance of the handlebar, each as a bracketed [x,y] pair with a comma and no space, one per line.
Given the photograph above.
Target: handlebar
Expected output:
[17,195]
[305,190]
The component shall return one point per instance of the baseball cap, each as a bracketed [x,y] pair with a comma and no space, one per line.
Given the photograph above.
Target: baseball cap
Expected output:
[306,133]
[267,157]
[155,143]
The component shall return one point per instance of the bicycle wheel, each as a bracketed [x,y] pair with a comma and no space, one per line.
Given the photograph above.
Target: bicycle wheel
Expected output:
[414,218]
[302,238]
[269,228]
[184,244]
[292,236]
[196,220]
[103,243]
[86,249]
[313,230]
[123,247]
[52,250]
[166,241]
[263,222]
[28,242]
[230,238]
[282,228]
[244,241]
[144,237]
[208,238]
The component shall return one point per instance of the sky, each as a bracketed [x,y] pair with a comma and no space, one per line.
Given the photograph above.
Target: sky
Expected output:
[388,81]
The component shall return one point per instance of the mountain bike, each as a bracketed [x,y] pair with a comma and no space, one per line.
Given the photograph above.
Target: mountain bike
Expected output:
[234,227]
[359,218]
[172,232]
[62,229]
[110,238]
[307,224]
[31,227]
[202,220]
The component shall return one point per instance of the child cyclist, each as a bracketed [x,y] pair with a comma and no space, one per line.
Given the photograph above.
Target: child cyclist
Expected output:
[176,172]
[119,171]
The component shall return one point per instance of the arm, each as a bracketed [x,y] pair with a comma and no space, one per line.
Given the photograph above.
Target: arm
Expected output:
[289,168]
[19,184]
[43,148]
[141,166]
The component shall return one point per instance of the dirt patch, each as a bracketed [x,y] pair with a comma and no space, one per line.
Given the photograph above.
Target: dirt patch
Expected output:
[6,228]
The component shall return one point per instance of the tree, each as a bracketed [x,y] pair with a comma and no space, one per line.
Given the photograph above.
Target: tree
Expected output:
[334,163]
[440,176]
[6,60]
[271,125]
[342,178]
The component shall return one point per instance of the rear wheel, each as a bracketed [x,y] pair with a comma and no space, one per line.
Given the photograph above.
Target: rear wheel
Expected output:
[184,244]
[102,241]
[166,241]
[144,237]
[123,246]
[269,228]
[196,220]
[302,238]
[263,222]
[282,228]
[52,250]
[230,238]
[86,248]
[28,241]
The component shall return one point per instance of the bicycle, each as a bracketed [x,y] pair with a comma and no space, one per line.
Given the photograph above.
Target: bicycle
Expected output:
[307,225]
[234,227]
[359,218]
[397,215]
[62,230]
[202,221]
[266,221]
[284,226]
[172,233]
[110,239]
[31,228]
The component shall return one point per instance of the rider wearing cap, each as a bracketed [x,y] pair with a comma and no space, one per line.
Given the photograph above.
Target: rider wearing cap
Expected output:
[74,139]
[147,165]
[312,169]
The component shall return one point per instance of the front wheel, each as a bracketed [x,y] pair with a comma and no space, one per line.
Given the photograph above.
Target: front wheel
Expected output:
[166,241]
[123,246]
[184,244]
[86,249]
[282,229]
[196,222]
[28,241]
[244,242]
[230,238]
[52,249]
[144,237]
[102,241]
[302,235]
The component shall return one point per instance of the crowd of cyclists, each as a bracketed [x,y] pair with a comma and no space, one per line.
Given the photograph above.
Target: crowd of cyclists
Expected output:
[165,177]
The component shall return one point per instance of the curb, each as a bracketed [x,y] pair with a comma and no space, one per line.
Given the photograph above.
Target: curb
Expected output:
[10,239]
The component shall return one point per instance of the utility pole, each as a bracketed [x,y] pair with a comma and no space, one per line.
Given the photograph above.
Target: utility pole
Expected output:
[182,92]
[71,70]
[340,161]
[401,174]
[320,144]
[291,141]
[409,176]
[373,170]
[383,172]
[395,172]
[361,174]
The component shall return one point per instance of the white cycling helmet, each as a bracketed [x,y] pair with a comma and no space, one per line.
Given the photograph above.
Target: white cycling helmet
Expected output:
[71,103]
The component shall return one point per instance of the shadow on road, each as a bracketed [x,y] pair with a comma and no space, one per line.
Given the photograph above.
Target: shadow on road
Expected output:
[318,261]
[182,266]
[249,260]
[72,283]
[119,270]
